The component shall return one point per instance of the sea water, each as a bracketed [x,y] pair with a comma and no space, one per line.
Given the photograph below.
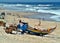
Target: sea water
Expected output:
[47,10]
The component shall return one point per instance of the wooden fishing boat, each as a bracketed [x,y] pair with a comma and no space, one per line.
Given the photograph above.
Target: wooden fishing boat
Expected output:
[41,31]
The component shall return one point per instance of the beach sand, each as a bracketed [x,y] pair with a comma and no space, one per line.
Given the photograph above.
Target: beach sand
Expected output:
[53,37]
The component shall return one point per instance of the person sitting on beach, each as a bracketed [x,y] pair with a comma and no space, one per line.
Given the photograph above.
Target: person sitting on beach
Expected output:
[22,27]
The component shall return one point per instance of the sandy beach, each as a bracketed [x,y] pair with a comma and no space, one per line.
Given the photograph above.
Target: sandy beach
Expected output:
[14,16]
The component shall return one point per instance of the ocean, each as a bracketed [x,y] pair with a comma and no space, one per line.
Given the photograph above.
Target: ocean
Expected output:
[51,10]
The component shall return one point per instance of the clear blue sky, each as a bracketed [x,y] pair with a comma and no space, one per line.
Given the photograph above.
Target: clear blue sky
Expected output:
[29,0]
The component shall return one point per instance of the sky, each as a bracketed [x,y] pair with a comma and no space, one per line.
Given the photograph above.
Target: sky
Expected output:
[29,0]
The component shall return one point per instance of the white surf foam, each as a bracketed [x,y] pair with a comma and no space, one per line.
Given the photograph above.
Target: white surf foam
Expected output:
[45,5]
[57,12]
[57,18]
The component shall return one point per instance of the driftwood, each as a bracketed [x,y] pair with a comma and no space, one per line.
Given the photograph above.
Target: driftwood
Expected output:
[10,29]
